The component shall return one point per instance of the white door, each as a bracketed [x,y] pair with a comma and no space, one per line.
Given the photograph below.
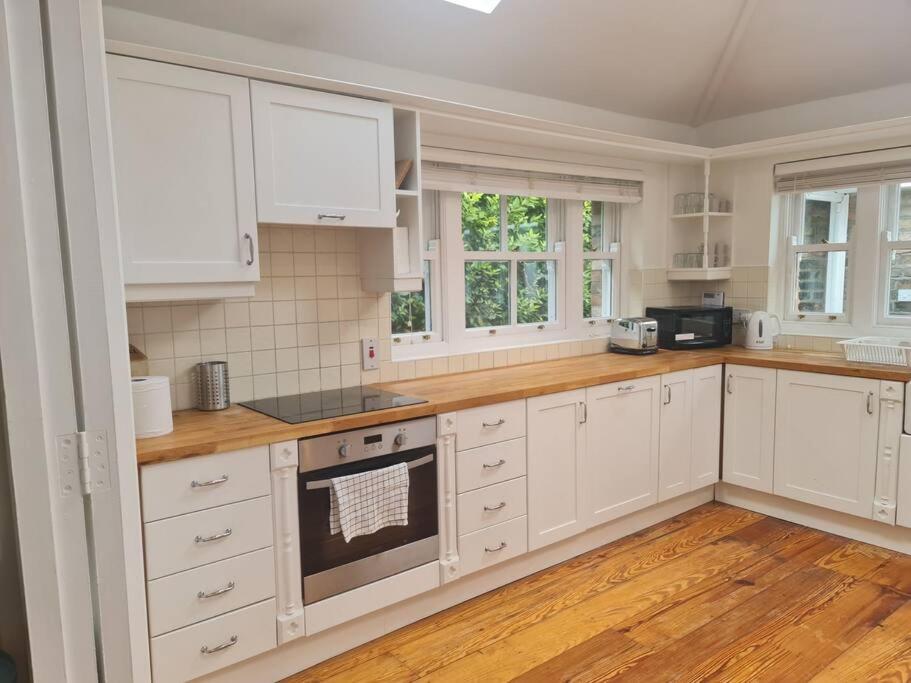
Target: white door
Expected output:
[556,446]
[749,426]
[322,159]
[676,434]
[903,508]
[622,448]
[706,426]
[825,440]
[183,157]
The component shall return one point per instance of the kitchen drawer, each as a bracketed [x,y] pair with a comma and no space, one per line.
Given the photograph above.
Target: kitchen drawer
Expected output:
[489,424]
[171,545]
[175,601]
[479,550]
[629,386]
[490,464]
[191,652]
[491,505]
[176,488]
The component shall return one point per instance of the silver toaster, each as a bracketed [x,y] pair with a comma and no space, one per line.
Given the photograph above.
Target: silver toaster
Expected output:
[634,335]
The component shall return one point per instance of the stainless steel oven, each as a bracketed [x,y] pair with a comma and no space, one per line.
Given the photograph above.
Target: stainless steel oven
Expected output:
[329,565]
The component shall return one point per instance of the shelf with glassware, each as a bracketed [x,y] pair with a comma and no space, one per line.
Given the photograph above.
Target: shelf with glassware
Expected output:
[700,250]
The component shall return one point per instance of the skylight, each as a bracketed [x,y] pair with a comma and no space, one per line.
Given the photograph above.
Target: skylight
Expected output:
[486,6]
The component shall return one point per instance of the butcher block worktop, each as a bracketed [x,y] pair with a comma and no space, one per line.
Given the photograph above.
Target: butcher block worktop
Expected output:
[198,433]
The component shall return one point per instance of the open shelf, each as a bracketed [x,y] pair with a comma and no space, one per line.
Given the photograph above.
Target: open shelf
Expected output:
[702,214]
[700,274]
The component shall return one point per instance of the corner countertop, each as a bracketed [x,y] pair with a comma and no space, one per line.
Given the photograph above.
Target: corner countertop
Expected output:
[199,433]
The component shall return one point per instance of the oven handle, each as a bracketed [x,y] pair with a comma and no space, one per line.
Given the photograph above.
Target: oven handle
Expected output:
[325,483]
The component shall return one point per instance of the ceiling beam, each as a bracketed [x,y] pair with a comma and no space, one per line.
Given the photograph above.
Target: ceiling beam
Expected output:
[724,62]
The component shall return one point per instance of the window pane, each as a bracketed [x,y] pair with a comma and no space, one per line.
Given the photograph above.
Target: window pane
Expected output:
[480,221]
[597,288]
[828,217]
[527,220]
[537,300]
[903,231]
[900,282]
[486,293]
[821,282]
[593,238]
[411,310]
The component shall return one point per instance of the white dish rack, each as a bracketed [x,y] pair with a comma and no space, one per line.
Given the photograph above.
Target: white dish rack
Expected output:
[885,350]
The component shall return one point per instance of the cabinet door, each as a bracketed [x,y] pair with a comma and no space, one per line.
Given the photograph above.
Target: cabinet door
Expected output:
[904,483]
[749,426]
[183,158]
[825,440]
[322,159]
[706,426]
[556,442]
[622,448]
[676,434]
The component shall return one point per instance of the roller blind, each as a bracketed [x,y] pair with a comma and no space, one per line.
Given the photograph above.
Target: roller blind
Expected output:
[846,170]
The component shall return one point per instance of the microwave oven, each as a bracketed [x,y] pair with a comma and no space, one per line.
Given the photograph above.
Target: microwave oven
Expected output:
[692,327]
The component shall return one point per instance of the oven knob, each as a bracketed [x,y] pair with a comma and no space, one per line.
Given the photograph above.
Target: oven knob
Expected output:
[343,450]
[400,440]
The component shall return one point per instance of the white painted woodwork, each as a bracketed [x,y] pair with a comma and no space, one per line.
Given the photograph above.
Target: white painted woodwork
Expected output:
[490,424]
[288,596]
[177,656]
[168,490]
[446,497]
[482,466]
[903,516]
[495,544]
[366,599]
[556,454]
[171,547]
[749,426]
[891,419]
[174,600]
[183,156]
[675,453]
[621,465]
[491,505]
[825,440]
[322,159]
[706,461]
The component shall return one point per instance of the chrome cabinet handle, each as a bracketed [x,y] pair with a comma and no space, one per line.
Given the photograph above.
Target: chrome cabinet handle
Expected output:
[231,642]
[584,406]
[499,463]
[488,508]
[202,595]
[211,482]
[668,400]
[214,537]
[334,216]
[249,239]
[628,387]
[497,549]
[869,403]
[730,385]
[498,423]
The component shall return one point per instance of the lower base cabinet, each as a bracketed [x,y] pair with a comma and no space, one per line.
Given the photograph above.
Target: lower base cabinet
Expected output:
[675,453]
[749,426]
[490,546]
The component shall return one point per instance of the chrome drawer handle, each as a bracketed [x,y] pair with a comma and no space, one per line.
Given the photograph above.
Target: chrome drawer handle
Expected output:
[215,537]
[231,642]
[336,216]
[202,595]
[488,508]
[497,549]
[499,463]
[499,422]
[212,482]
[628,387]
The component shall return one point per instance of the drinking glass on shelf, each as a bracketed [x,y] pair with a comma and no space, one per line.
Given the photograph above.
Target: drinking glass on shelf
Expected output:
[680,203]
[694,201]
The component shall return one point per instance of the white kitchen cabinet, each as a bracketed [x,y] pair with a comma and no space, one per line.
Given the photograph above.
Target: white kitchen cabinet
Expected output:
[825,440]
[322,159]
[183,159]
[621,465]
[706,426]
[556,452]
[904,483]
[749,426]
[676,434]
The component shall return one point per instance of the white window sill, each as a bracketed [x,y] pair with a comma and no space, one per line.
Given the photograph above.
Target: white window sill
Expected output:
[429,350]
[843,330]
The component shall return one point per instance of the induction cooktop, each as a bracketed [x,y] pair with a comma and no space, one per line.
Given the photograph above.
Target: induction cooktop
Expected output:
[319,405]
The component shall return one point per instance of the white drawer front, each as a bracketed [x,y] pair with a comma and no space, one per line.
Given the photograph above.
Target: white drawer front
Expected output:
[205,592]
[176,488]
[179,655]
[491,505]
[494,544]
[489,424]
[490,464]
[171,545]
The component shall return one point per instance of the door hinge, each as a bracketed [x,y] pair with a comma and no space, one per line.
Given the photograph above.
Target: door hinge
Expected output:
[83,463]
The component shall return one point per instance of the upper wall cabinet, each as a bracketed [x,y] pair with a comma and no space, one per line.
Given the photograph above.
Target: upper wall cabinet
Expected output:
[322,159]
[183,157]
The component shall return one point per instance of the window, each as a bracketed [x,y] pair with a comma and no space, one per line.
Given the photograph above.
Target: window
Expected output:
[897,253]
[600,242]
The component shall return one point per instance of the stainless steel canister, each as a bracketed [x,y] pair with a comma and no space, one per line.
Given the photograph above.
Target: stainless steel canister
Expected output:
[213,390]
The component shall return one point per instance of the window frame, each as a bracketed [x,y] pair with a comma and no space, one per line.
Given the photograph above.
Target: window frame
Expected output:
[613,255]
[890,208]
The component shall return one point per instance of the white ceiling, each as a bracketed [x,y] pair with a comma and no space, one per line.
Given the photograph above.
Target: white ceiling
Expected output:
[685,62]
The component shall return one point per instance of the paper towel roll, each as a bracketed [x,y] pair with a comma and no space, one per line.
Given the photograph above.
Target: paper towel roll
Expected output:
[152,406]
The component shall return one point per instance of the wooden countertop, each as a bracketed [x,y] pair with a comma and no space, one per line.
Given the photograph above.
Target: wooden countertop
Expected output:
[198,433]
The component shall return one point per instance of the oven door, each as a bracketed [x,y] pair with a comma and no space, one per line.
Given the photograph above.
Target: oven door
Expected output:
[699,328]
[329,565]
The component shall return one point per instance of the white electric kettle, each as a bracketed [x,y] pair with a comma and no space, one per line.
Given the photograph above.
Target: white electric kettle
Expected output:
[762,328]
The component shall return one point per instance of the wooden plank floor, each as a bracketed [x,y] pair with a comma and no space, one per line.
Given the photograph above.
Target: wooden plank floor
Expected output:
[718,593]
